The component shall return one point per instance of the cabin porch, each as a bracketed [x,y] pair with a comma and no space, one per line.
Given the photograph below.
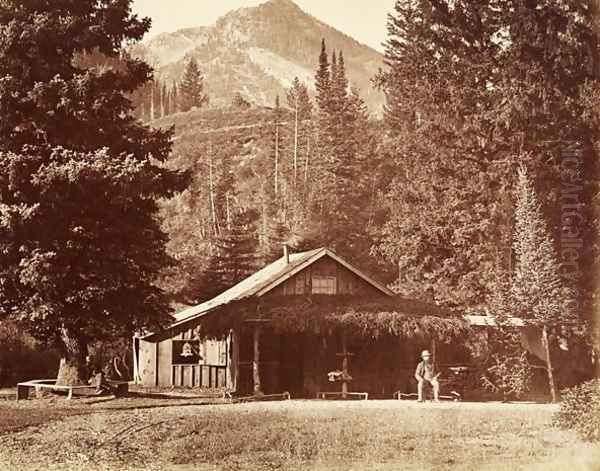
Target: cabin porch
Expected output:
[299,363]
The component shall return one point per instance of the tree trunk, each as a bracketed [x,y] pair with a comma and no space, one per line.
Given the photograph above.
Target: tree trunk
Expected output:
[276,158]
[546,345]
[73,369]
[213,211]
[152,103]
[227,211]
[162,102]
[170,109]
[307,160]
[296,146]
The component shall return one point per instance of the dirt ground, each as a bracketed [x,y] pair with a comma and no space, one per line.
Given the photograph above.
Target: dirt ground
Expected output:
[185,435]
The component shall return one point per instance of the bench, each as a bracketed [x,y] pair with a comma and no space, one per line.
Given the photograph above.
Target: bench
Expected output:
[342,395]
[285,396]
[453,396]
[122,387]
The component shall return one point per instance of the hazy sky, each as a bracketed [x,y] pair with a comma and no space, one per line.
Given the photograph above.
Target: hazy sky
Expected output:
[364,21]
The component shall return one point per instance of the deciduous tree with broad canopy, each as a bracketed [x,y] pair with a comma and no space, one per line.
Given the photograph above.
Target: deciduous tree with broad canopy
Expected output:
[80,243]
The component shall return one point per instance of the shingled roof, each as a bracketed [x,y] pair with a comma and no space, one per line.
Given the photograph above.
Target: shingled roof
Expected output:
[267,279]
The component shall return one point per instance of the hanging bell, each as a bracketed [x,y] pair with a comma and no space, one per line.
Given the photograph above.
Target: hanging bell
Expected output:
[187,350]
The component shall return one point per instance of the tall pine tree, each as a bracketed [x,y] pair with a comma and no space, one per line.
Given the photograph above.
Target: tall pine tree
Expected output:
[537,292]
[80,243]
[191,87]
[343,139]
[299,101]
[233,255]
[323,78]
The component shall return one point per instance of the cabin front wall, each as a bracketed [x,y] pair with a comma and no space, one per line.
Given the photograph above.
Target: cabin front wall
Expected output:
[184,360]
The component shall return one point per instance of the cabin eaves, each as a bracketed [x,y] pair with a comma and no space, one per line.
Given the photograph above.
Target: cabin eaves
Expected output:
[267,279]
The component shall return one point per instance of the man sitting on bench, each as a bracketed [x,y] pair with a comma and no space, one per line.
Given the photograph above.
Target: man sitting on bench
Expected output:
[425,373]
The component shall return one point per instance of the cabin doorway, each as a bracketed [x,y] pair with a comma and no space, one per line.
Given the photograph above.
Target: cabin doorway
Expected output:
[291,364]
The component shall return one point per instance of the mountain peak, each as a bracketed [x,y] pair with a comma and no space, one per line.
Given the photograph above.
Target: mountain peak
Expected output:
[283,7]
[269,7]
[282,3]
[258,51]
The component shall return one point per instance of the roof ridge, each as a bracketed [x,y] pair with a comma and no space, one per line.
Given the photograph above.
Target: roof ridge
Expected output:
[224,297]
[269,277]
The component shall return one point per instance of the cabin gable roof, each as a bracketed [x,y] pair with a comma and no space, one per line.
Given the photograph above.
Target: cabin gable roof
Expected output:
[316,255]
[267,279]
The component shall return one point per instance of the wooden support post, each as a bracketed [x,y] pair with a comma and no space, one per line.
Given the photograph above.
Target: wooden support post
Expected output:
[256,361]
[433,351]
[22,392]
[233,359]
[228,360]
[136,362]
[344,365]
[156,364]
[546,345]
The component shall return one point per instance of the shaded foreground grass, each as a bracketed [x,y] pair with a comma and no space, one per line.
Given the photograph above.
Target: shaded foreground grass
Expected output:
[304,435]
[352,437]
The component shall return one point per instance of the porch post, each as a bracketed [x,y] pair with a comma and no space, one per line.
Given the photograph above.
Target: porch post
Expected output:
[256,361]
[344,365]
[136,364]
[433,350]
[551,383]
[233,356]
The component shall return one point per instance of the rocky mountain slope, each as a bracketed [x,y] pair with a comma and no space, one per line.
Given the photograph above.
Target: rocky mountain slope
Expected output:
[258,51]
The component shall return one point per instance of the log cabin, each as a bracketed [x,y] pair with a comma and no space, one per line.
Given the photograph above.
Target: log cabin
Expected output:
[254,354]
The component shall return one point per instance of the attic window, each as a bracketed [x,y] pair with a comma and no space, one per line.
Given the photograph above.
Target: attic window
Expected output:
[323,285]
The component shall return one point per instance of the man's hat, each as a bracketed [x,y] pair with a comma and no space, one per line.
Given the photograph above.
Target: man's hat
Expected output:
[425,353]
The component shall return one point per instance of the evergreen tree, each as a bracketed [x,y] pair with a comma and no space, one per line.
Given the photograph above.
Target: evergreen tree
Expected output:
[343,137]
[506,367]
[80,245]
[408,51]
[339,89]
[175,107]
[298,97]
[323,78]
[299,101]
[274,236]
[537,291]
[332,103]
[472,88]
[233,255]
[191,88]
[165,109]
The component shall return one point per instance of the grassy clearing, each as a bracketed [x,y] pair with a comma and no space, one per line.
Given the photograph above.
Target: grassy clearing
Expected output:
[385,435]
[12,420]
[300,435]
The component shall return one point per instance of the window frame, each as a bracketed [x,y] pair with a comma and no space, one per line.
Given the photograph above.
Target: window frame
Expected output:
[324,284]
